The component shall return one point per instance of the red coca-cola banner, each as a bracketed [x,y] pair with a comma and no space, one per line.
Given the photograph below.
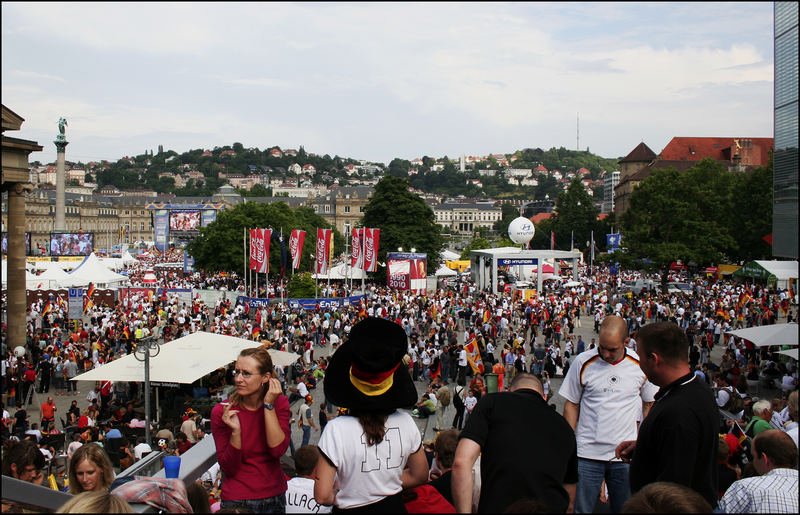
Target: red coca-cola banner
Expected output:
[259,250]
[371,241]
[357,260]
[323,248]
[254,249]
[266,235]
[296,241]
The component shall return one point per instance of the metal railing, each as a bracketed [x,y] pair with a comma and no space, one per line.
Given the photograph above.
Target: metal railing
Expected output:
[194,463]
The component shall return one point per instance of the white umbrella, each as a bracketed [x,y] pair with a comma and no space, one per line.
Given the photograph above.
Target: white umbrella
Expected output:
[792,353]
[775,334]
[571,284]
[184,360]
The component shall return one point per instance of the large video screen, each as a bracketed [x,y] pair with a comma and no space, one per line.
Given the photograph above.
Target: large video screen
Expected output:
[27,244]
[71,244]
[184,220]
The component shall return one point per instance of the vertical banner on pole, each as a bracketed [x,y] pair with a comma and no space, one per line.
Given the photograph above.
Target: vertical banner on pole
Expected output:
[161,226]
[323,247]
[263,266]
[357,260]
[296,241]
[253,249]
[371,242]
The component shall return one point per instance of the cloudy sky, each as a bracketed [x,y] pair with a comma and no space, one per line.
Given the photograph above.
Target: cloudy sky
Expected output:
[378,81]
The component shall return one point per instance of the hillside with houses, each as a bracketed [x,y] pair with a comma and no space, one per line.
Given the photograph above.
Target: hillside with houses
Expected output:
[275,171]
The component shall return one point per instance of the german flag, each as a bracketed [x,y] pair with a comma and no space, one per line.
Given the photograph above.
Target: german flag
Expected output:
[256,332]
[61,302]
[126,333]
[89,293]
[436,369]
[736,430]
[48,307]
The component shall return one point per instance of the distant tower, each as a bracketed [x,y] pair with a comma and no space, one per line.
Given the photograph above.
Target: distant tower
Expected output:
[578,132]
[463,163]
[61,144]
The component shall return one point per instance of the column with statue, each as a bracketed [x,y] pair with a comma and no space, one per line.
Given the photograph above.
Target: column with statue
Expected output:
[61,144]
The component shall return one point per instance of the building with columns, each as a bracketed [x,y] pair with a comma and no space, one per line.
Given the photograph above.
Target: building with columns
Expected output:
[15,185]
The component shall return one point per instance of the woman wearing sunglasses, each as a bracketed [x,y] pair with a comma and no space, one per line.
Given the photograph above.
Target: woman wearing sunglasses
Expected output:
[251,433]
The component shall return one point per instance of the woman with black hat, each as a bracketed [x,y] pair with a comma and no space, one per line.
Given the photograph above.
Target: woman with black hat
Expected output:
[374,451]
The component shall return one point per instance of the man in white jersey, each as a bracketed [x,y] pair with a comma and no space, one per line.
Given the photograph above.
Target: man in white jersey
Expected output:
[606,395]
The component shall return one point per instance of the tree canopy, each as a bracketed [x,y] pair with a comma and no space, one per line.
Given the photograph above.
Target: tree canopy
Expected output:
[219,245]
[405,220]
[706,215]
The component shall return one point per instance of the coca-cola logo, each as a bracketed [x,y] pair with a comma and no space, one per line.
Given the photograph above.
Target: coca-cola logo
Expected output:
[369,250]
[321,249]
[293,243]
[259,250]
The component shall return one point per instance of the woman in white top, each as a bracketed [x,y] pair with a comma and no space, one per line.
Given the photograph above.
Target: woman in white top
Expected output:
[375,451]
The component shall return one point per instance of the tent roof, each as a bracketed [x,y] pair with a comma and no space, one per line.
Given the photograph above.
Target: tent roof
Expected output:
[780,270]
[342,271]
[92,269]
[444,271]
[198,354]
[775,334]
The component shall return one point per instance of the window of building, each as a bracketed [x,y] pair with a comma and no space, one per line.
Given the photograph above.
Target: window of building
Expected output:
[346,209]
[327,208]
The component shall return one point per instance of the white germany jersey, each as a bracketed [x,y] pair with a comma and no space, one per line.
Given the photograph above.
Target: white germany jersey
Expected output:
[367,474]
[610,398]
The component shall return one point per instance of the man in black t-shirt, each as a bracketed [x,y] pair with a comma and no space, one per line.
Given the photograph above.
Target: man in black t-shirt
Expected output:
[511,472]
[678,440]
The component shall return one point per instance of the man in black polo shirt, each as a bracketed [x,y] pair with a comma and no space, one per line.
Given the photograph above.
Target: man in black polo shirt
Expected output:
[512,469]
[678,440]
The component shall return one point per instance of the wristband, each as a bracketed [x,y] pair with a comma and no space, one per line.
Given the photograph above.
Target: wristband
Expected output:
[269,406]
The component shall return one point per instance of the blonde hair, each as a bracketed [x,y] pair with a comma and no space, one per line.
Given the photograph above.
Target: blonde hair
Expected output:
[264,361]
[94,453]
[96,502]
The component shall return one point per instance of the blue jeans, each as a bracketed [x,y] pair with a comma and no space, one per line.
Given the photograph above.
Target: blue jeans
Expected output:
[306,435]
[591,474]
[275,504]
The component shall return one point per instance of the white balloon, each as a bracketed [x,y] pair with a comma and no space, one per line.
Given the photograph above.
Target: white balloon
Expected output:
[521,230]
[19,351]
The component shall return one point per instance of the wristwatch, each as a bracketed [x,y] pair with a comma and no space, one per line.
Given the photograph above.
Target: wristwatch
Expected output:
[269,406]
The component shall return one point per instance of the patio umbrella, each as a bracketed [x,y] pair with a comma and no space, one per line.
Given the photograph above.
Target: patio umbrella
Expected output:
[775,334]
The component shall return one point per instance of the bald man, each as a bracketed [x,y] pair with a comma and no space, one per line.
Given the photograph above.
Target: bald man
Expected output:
[512,471]
[607,394]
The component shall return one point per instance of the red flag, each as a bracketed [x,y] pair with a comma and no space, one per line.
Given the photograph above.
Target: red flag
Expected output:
[253,249]
[323,248]
[371,242]
[266,235]
[357,260]
[296,241]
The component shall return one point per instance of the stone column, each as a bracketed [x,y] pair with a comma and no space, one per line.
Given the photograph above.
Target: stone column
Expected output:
[17,303]
[61,224]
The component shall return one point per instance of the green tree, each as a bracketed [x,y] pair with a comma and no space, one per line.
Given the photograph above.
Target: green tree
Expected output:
[219,246]
[509,213]
[405,220]
[301,286]
[751,216]
[576,216]
[475,244]
[675,216]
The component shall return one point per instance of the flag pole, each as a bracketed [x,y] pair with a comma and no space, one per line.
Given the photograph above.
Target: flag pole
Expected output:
[244,248]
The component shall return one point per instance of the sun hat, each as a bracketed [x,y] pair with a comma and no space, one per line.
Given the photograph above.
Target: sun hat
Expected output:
[366,372]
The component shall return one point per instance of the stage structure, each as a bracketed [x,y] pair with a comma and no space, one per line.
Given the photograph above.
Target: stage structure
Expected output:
[485,262]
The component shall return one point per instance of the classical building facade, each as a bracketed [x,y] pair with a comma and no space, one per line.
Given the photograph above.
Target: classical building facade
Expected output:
[465,218]
[343,207]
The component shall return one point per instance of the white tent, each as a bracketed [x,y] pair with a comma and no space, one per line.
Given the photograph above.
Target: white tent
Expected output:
[52,278]
[342,271]
[92,270]
[443,271]
[792,353]
[763,335]
[184,360]
[127,259]
[449,255]
[30,279]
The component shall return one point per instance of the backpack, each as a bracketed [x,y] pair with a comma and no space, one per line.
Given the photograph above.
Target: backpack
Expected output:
[735,404]
[445,397]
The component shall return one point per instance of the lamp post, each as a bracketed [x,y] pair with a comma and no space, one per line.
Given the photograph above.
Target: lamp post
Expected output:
[144,348]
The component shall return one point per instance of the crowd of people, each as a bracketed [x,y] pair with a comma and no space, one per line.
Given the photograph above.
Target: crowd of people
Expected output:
[629,380]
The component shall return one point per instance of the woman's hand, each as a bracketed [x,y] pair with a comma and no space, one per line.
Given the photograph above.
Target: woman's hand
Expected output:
[231,418]
[273,391]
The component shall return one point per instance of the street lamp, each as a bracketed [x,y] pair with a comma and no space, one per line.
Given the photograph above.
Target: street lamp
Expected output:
[146,347]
